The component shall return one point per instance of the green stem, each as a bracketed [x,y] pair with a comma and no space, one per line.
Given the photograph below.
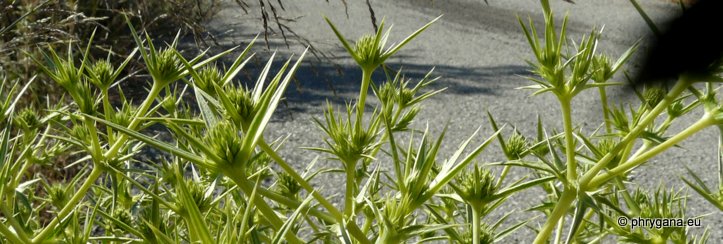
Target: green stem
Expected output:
[155,90]
[367,224]
[606,117]
[569,139]
[475,224]
[622,168]
[390,135]
[29,159]
[628,149]
[108,112]
[298,178]
[10,235]
[14,223]
[95,148]
[679,87]
[366,80]
[646,145]
[20,174]
[338,215]
[261,205]
[72,204]
[350,186]
[291,203]
[561,208]
[558,231]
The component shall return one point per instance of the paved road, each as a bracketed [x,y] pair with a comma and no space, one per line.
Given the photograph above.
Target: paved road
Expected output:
[479,50]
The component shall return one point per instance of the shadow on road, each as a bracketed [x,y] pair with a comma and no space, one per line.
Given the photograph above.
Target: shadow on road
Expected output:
[316,83]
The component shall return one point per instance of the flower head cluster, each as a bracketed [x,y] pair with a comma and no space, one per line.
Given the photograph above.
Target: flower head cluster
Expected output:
[349,140]
[207,78]
[101,74]
[197,192]
[516,146]
[124,115]
[242,103]
[288,186]
[58,194]
[225,143]
[72,79]
[477,186]
[368,51]
[166,66]
[653,96]
[27,119]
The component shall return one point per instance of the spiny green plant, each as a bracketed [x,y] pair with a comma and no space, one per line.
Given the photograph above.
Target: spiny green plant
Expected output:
[369,53]
[592,176]
[215,181]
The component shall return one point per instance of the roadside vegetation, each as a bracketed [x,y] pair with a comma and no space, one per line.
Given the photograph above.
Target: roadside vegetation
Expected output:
[221,180]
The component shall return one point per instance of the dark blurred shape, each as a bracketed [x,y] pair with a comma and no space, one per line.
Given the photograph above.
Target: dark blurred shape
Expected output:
[691,44]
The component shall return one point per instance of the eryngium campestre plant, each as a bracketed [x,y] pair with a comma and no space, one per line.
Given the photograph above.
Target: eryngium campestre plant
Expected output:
[215,181]
[603,175]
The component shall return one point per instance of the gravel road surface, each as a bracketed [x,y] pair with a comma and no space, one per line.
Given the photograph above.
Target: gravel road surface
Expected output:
[479,51]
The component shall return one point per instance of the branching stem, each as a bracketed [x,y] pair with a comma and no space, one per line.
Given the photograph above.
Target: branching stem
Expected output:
[261,205]
[155,90]
[634,162]
[679,87]
[561,208]
[338,215]
[72,204]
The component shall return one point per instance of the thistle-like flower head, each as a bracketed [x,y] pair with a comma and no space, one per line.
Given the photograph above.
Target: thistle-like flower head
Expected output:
[123,216]
[288,186]
[166,65]
[653,96]
[606,146]
[124,116]
[242,102]
[602,69]
[477,186]
[349,140]
[676,109]
[197,192]
[225,143]
[101,74]
[369,51]
[207,77]
[27,119]
[58,194]
[516,146]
